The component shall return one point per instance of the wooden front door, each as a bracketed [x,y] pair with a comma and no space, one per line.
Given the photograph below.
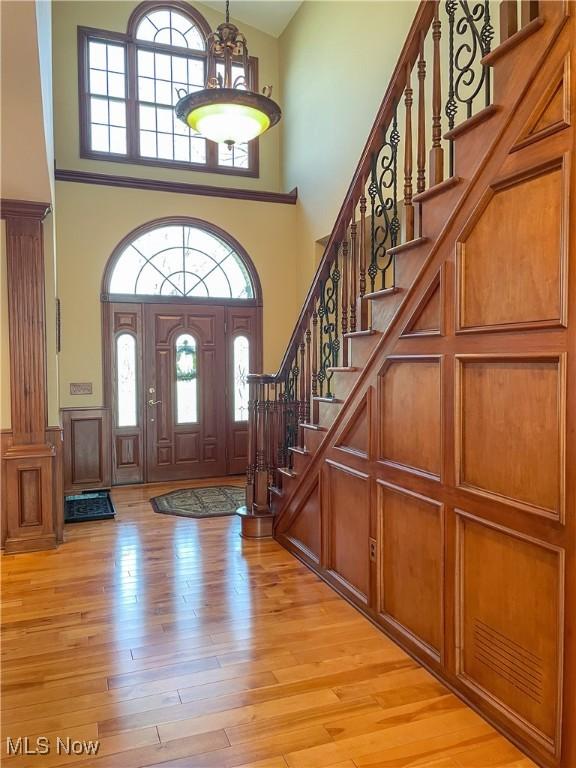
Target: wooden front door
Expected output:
[184,391]
[179,406]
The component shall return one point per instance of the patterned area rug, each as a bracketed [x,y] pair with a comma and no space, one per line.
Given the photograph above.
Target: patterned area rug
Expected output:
[217,501]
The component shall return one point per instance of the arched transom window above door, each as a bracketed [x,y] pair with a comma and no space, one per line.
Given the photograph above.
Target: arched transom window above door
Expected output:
[185,260]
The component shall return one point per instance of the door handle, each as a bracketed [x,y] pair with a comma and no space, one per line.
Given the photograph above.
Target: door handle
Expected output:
[154,402]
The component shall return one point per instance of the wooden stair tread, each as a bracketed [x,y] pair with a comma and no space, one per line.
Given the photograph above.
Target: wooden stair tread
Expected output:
[314,427]
[287,472]
[275,490]
[342,368]
[381,294]
[472,122]
[510,43]
[359,334]
[416,243]
[300,451]
[331,400]
[437,189]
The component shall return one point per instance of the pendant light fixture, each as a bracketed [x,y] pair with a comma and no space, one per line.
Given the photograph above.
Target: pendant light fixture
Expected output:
[228,110]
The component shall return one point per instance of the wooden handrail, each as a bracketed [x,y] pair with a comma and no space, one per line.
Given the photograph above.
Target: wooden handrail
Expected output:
[410,52]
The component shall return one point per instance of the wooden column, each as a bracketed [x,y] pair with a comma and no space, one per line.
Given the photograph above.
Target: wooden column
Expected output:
[29,462]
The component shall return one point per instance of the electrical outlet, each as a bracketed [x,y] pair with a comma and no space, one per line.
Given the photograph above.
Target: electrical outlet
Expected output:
[373,550]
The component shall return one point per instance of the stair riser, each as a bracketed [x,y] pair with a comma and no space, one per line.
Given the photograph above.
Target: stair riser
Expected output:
[383,310]
[287,483]
[342,382]
[299,462]
[360,349]
[328,412]
[312,440]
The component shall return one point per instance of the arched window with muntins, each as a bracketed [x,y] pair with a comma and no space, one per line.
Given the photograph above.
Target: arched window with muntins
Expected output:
[171,27]
[186,259]
[130,83]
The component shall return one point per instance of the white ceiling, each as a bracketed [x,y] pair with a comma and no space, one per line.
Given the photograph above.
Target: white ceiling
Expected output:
[271,16]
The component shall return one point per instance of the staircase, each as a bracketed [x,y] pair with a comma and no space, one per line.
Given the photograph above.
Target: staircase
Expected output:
[413,447]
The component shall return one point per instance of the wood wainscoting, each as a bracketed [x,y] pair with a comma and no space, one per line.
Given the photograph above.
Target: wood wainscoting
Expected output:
[50,516]
[87,449]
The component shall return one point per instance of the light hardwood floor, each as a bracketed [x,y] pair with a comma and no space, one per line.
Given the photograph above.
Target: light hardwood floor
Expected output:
[176,643]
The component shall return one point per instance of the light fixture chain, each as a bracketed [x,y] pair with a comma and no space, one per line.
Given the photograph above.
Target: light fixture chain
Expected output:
[227,11]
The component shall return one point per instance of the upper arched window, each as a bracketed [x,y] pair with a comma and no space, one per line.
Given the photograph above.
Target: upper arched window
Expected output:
[171,27]
[130,83]
[181,260]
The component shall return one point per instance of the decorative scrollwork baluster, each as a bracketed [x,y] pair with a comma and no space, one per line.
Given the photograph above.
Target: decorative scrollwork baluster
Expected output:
[383,192]
[451,106]
[353,279]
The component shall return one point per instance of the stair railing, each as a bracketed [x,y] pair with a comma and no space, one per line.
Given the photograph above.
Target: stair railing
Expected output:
[380,212]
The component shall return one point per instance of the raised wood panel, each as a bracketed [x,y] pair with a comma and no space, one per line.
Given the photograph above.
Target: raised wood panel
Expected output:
[186,447]
[30,515]
[518,278]
[87,449]
[510,430]
[54,449]
[304,531]
[553,112]
[356,435]
[346,513]
[426,320]
[510,623]
[410,413]
[410,565]
[127,450]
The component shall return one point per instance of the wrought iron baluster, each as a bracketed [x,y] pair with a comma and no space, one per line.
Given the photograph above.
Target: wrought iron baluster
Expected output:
[321,376]
[475,30]
[451,106]
[344,292]
[336,277]
[362,304]
[353,279]
[383,191]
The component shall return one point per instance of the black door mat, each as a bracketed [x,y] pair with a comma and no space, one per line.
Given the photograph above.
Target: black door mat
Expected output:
[86,507]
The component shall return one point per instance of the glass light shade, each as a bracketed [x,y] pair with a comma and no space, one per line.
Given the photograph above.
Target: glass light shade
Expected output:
[228,115]
[228,123]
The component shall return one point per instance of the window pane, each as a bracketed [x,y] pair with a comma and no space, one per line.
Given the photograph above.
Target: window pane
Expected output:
[233,157]
[106,78]
[171,28]
[126,380]
[186,380]
[100,139]
[241,371]
[180,260]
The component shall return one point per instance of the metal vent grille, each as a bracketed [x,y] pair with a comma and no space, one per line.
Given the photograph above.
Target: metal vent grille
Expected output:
[517,665]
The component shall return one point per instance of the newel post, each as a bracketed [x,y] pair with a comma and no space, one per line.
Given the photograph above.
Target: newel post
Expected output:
[256,517]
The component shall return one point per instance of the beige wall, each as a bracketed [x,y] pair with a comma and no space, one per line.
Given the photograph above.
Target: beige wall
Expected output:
[335,62]
[113,16]
[92,220]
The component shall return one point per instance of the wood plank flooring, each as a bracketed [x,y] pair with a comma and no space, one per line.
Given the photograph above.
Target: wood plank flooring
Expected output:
[174,642]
